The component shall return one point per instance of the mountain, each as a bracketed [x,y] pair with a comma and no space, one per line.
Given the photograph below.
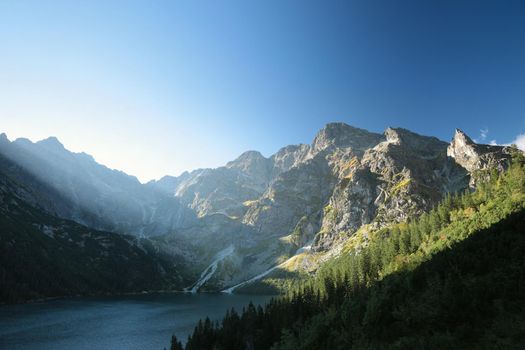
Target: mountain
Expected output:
[451,278]
[92,194]
[348,181]
[257,217]
[42,255]
[474,157]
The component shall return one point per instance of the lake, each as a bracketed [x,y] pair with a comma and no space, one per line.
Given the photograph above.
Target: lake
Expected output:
[128,322]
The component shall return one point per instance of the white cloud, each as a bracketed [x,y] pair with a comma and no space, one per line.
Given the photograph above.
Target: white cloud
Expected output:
[520,141]
[482,135]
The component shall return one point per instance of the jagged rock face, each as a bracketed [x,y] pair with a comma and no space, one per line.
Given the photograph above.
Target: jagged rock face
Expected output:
[401,176]
[474,157]
[412,169]
[289,157]
[303,179]
[341,135]
[219,191]
[310,179]
[254,165]
[350,206]
[300,191]
[230,190]
[223,190]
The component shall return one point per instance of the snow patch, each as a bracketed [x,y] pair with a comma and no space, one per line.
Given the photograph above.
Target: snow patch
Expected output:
[210,270]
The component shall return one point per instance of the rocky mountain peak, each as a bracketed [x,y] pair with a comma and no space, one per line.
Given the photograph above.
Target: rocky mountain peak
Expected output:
[252,163]
[473,156]
[246,157]
[51,142]
[392,136]
[289,149]
[3,138]
[464,151]
[461,139]
[400,136]
[344,135]
[289,157]
[419,143]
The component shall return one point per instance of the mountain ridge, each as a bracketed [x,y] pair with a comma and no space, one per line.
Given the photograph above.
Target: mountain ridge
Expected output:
[317,195]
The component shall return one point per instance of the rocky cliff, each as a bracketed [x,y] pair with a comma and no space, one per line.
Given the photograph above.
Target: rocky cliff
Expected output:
[475,157]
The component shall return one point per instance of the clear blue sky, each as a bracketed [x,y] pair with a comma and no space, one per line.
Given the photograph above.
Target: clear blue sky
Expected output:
[158,87]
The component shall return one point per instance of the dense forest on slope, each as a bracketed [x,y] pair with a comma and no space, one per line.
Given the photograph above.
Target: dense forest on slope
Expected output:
[71,259]
[42,255]
[453,278]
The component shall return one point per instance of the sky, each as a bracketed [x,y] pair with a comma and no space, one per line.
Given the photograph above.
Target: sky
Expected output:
[159,87]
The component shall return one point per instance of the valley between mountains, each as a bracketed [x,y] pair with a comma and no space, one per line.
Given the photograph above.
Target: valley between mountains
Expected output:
[71,226]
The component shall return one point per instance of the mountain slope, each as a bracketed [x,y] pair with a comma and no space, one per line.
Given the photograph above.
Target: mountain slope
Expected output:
[343,193]
[315,197]
[451,279]
[45,256]
[92,194]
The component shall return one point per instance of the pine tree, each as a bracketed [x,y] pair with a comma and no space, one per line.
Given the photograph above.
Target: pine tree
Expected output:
[175,343]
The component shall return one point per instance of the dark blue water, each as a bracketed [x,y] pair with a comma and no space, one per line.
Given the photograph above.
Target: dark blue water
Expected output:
[131,322]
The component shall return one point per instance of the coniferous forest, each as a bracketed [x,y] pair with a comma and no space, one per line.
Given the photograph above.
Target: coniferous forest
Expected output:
[454,278]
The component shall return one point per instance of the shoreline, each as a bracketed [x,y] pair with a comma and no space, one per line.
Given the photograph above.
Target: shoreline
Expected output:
[150,292]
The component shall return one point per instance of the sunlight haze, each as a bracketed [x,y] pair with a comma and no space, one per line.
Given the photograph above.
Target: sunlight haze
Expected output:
[156,89]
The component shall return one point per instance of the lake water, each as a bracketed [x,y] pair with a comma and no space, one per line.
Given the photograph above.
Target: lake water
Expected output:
[130,322]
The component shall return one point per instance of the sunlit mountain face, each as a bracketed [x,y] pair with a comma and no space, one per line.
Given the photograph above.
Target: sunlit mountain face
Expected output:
[229,227]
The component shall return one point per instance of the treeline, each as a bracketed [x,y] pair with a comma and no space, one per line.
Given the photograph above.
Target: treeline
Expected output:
[452,279]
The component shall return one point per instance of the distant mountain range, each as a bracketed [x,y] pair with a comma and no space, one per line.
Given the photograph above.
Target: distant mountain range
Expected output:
[216,228]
